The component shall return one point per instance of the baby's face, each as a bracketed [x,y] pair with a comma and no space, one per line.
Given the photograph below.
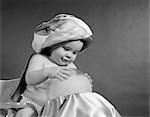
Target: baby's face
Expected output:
[66,53]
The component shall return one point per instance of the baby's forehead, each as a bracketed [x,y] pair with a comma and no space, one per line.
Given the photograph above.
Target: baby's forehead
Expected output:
[70,41]
[75,45]
[61,44]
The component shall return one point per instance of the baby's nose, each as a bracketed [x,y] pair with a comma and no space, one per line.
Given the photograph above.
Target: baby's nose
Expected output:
[69,55]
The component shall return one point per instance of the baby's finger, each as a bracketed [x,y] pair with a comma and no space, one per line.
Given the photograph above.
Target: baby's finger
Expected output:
[65,72]
[67,69]
[62,76]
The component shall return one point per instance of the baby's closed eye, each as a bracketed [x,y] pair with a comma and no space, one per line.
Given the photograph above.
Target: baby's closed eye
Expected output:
[67,48]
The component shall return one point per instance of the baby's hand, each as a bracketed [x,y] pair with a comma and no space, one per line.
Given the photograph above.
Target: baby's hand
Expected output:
[63,73]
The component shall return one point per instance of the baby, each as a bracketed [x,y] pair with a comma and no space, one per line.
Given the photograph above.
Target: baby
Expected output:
[56,45]
[74,98]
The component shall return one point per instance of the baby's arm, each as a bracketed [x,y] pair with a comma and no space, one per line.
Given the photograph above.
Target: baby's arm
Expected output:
[37,72]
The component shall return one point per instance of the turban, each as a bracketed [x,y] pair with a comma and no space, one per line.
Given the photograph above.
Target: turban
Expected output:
[61,28]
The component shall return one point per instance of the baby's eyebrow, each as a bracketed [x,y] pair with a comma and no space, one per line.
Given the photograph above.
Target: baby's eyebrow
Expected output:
[66,46]
[70,48]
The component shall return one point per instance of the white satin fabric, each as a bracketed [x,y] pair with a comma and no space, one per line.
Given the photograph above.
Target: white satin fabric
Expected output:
[87,104]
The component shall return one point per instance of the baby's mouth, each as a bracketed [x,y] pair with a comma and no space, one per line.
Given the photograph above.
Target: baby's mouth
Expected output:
[65,60]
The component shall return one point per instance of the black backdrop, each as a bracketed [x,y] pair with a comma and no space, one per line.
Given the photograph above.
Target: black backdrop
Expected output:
[117,61]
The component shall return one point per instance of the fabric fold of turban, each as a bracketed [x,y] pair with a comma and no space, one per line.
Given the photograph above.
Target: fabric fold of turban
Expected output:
[61,28]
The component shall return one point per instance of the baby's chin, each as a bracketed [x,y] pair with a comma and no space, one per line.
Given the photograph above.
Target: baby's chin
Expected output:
[63,63]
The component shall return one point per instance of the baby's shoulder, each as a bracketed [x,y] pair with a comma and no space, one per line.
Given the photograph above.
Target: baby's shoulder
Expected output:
[46,62]
[39,57]
[39,61]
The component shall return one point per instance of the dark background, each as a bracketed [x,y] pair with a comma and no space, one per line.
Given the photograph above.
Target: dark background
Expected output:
[117,61]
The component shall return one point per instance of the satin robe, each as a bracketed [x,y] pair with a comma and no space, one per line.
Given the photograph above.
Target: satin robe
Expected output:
[74,98]
[87,104]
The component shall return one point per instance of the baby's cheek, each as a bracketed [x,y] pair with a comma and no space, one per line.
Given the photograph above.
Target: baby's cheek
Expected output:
[74,58]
